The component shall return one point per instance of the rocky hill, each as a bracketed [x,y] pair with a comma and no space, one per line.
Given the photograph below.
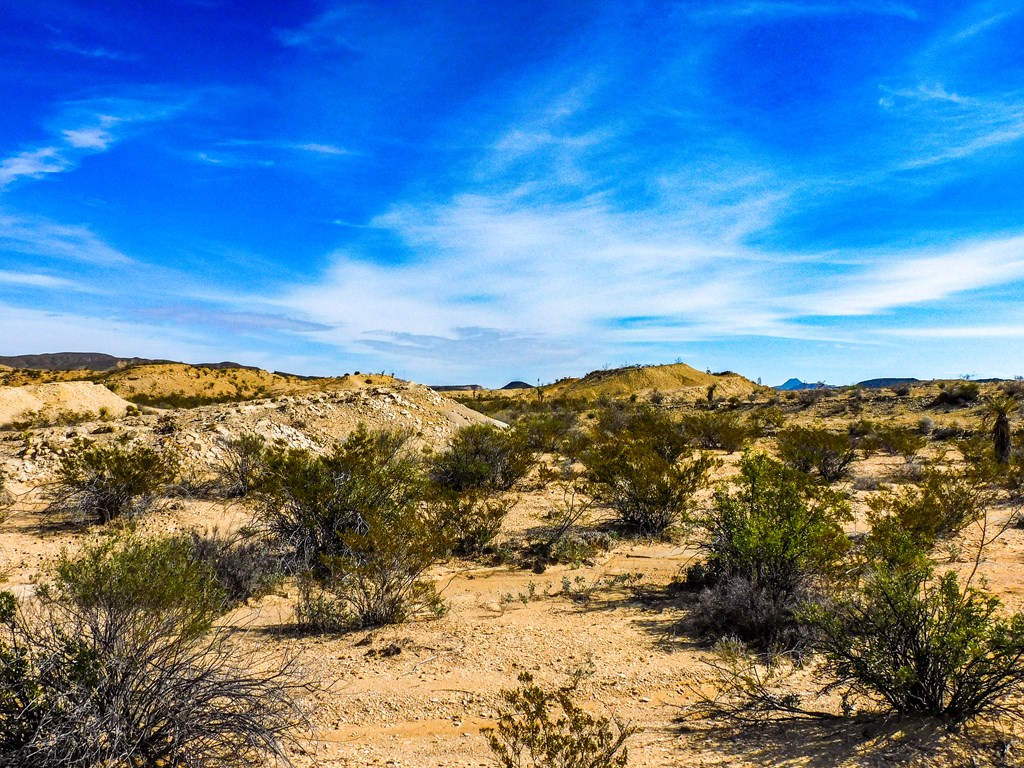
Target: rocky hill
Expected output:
[676,379]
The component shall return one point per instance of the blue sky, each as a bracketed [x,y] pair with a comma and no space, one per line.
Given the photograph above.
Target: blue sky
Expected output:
[476,192]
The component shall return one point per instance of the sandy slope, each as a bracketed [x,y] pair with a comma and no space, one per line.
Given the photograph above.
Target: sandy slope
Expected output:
[78,397]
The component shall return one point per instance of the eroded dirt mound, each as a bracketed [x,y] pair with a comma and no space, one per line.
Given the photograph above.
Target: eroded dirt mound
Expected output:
[52,401]
[313,421]
[677,378]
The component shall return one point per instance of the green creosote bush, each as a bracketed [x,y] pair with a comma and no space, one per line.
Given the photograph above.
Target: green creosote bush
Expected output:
[890,438]
[769,544]
[307,501]
[619,422]
[104,482]
[649,493]
[472,519]
[811,448]
[719,430]
[917,517]
[377,575]
[483,456]
[543,728]
[115,664]
[923,645]
[766,420]
[546,431]
[240,464]
[961,393]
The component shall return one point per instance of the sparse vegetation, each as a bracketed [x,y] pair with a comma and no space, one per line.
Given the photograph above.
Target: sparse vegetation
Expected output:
[945,502]
[377,575]
[716,430]
[649,493]
[482,456]
[809,449]
[922,644]
[471,520]
[308,502]
[116,666]
[240,463]
[104,482]
[546,728]
[769,545]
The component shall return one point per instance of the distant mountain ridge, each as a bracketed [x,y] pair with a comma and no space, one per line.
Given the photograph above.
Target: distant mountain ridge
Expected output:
[792,385]
[886,382]
[454,387]
[94,361]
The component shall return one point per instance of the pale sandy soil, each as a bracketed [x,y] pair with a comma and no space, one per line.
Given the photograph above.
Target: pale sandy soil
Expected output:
[425,705]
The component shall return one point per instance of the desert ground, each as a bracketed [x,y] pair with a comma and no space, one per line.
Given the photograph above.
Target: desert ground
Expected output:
[418,694]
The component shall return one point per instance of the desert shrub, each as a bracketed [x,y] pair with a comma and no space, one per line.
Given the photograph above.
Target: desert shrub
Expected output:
[618,423]
[892,439]
[105,482]
[945,502]
[116,666]
[649,493]
[768,543]
[811,448]
[923,644]
[808,397]
[961,393]
[308,501]
[317,611]
[377,575]
[240,463]
[565,542]
[545,431]
[548,729]
[716,430]
[483,456]
[766,420]
[737,607]
[471,520]
[243,567]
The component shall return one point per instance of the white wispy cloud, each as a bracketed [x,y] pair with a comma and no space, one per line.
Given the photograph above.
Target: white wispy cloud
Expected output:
[37,236]
[94,52]
[331,30]
[769,9]
[903,279]
[83,128]
[35,280]
[983,25]
[33,163]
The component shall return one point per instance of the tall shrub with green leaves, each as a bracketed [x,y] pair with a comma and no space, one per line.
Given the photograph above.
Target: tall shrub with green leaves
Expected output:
[649,493]
[811,448]
[116,664]
[377,575]
[769,543]
[308,501]
[103,482]
[916,517]
[483,456]
[923,644]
